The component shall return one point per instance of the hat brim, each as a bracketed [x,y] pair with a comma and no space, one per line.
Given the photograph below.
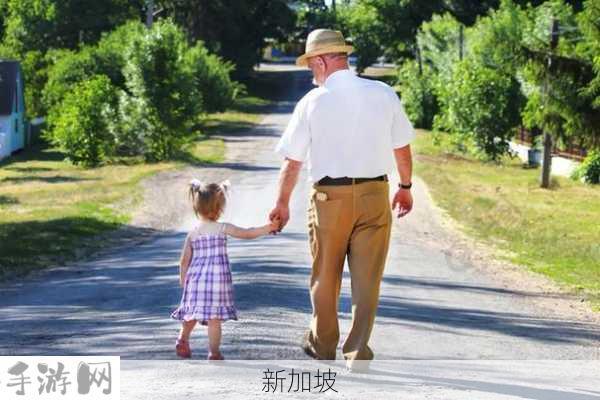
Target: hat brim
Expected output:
[302,61]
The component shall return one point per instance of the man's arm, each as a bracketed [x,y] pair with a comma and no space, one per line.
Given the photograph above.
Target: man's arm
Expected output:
[288,177]
[403,158]
[403,197]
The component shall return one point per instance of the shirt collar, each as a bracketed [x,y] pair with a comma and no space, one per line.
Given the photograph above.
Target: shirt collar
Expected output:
[338,76]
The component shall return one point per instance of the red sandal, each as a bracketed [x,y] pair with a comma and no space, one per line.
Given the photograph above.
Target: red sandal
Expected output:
[182,348]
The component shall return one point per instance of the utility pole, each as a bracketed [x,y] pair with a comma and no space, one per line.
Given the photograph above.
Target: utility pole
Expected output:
[149,13]
[547,160]
[333,5]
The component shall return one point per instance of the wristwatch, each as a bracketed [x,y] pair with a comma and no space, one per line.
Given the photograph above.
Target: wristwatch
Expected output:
[403,186]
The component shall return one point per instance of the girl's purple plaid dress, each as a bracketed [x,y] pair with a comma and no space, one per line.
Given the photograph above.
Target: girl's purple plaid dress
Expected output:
[208,287]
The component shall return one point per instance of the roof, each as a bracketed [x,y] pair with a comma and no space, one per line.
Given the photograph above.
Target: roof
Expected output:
[9,71]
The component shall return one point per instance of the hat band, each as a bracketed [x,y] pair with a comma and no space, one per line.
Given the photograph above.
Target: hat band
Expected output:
[324,43]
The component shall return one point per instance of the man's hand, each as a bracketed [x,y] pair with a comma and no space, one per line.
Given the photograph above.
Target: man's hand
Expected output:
[287,180]
[275,225]
[281,212]
[403,199]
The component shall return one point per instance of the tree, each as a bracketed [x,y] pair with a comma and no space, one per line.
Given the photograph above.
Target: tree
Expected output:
[236,30]
[402,19]
[589,48]
[561,99]
[496,39]
[43,24]
[3,11]
[359,22]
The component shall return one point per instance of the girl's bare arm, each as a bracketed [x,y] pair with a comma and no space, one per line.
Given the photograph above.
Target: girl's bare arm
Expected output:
[251,233]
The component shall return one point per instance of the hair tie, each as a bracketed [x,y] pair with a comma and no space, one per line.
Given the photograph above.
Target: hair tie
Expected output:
[196,184]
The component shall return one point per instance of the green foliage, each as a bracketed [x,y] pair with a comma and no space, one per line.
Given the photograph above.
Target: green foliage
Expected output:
[400,20]
[314,14]
[69,67]
[212,78]
[160,87]
[3,12]
[109,54]
[28,24]
[589,47]
[161,104]
[560,99]
[44,24]
[80,125]
[483,103]
[35,69]
[589,170]
[438,41]
[234,30]
[496,39]
[360,23]
[418,93]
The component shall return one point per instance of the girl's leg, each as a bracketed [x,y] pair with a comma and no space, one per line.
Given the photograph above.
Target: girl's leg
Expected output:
[186,329]
[214,335]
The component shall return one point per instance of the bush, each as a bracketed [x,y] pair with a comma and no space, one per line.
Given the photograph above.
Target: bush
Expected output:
[589,170]
[483,103]
[69,68]
[211,77]
[160,86]
[109,54]
[418,94]
[107,58]
[79,124]
[161,105]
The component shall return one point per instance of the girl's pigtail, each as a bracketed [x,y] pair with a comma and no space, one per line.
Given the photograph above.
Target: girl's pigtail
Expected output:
[225,186]
[195,187]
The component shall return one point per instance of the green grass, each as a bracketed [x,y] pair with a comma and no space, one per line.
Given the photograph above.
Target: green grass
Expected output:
[554,232]
[52,211]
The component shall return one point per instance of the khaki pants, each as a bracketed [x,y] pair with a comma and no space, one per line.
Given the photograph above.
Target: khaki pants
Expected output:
[353,221]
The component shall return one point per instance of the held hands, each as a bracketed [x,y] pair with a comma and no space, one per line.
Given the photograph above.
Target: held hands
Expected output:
[280,215]
[274,225]
[403,199]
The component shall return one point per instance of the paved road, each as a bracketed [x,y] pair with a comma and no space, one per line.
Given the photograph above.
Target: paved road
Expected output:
[433,305]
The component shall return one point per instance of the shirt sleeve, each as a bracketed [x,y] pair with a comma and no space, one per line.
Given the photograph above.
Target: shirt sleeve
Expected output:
[402,130]
[295,141]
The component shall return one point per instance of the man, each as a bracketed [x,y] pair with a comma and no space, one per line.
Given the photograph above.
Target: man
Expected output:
[349,129]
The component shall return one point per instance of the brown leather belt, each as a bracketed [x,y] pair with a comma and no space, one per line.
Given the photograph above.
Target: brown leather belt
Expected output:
[327,181]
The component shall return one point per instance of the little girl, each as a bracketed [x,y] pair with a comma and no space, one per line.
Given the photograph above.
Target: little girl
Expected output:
[204,269]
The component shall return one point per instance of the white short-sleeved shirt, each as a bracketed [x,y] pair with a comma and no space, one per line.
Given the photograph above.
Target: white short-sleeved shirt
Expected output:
[347,127]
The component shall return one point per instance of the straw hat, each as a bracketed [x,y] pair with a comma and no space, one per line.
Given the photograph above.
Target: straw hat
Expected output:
[323,41]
